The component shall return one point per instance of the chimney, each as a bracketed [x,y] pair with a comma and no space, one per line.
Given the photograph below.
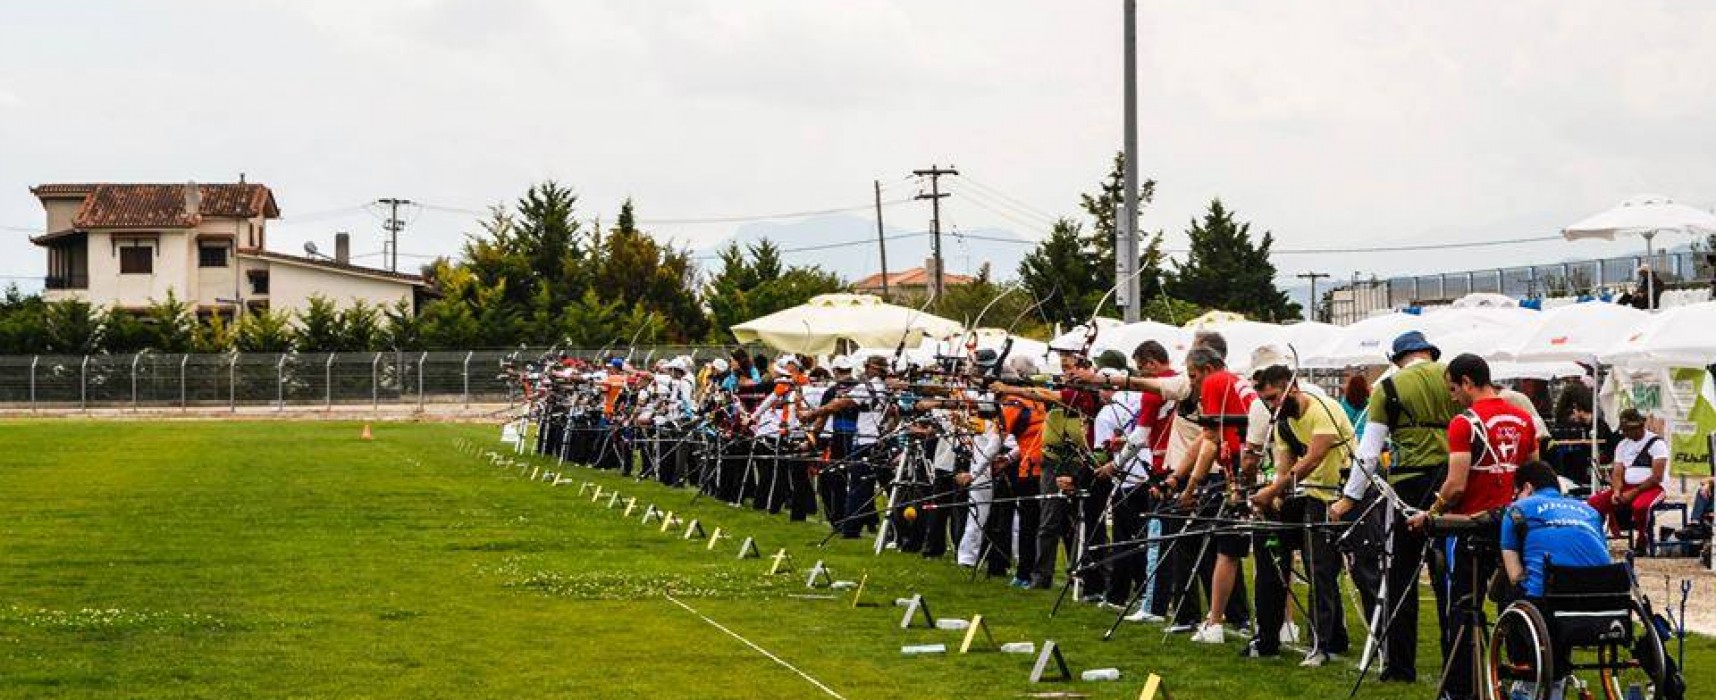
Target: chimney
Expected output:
[343,248]
[193,201]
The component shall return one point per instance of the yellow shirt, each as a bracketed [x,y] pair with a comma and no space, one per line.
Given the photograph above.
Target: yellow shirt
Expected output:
[1323,416]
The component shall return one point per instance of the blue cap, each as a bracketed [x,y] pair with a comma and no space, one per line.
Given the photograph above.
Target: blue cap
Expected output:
[1413,341]
[616,363]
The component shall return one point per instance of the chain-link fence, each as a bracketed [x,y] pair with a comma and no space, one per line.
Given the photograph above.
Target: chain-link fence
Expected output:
[159,380]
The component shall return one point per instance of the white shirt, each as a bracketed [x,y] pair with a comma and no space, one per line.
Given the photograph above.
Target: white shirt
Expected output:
[1115,420]
[865,393]
[1627,454]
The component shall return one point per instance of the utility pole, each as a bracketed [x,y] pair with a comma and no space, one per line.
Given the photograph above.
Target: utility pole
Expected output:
[1311,311]
[393,226]
[935,196]
[1128,228]
[881,240]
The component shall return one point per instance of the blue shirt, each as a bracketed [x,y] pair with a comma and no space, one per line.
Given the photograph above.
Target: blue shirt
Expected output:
[1555,528]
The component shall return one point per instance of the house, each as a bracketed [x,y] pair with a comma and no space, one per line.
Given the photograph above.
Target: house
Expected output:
[912,282]
[129,245]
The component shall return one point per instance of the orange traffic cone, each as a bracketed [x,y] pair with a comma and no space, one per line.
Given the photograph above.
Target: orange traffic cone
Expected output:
[366,434]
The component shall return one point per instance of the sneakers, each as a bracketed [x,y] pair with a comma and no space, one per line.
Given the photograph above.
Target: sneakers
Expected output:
[1251,651]
[1209,633]
[1289,633]
[1093,598]
[1180,628]
[1316,659]
[1020,583]
[1144,615]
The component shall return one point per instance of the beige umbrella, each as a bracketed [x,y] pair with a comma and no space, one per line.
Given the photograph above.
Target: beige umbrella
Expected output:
[817,326]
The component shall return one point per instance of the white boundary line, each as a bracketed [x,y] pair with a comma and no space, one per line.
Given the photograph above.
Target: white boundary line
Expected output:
[759,649]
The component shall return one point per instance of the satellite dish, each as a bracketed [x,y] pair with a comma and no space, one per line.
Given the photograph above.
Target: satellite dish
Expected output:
[310,248]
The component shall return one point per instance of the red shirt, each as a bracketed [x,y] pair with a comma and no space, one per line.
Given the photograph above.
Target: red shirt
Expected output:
[1223,394]
[1157,414]
[1507,440]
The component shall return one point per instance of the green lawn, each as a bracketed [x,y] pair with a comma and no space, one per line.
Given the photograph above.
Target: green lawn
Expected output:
[287,559]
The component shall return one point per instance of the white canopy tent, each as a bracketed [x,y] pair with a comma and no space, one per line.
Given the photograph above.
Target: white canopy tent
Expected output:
[1578,333]
[1684,336]
[817,326]
[1368,342]
[1126,338]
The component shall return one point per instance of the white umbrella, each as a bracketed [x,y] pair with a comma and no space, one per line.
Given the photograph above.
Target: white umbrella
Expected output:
[1307,337]
[1243,338]
[1643,215]
[814,328]
[1578,332]
[1684,336]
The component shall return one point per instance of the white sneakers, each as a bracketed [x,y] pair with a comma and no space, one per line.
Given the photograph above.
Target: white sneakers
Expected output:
[1289,633]
[1314,659]
[1210,633]
[1143,615]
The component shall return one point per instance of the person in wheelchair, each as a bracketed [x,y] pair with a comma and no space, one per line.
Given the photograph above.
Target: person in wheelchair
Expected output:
[1569,594]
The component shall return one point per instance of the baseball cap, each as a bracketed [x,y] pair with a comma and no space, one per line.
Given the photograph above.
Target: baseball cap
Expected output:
[719,364]
[841,363]
[1111,359]
[1631,418]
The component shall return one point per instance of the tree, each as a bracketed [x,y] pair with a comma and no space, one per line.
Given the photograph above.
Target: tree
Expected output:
[263,330]
[72,327]
[22,330]
[360,328]
[123,333]
[752,282]
[989,304]
[1103,208]
[402,330]
[319,327]
[171,326]
[1058,274]
[1225,270]
[632,268]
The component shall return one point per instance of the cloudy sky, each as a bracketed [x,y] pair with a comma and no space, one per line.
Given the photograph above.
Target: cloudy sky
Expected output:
[1335,125]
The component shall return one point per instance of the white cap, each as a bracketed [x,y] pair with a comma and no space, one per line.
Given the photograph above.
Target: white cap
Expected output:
[842,362]
[1269,356]
[719,364]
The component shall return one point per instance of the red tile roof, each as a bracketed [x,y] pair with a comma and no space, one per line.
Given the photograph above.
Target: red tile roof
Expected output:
[338,266]
[161,205]
[914,277]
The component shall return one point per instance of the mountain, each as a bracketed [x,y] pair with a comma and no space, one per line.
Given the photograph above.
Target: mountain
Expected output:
[846,245]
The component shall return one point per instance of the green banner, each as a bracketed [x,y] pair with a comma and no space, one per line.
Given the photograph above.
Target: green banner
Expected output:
[1689,436]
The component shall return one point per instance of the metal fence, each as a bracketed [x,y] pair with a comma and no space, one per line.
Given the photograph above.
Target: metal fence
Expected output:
[1556,279]
[157,380]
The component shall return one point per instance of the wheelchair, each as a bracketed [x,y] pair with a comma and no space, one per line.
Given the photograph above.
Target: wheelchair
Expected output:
[1588,620]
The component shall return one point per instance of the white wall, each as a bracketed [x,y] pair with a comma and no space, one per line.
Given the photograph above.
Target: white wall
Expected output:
[291,286]
[173,262]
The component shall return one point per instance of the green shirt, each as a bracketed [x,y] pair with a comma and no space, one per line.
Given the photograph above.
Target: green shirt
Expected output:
[1420,437]
[1323,417]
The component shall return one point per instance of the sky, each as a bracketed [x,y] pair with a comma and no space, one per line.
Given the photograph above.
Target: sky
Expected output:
[1331,124]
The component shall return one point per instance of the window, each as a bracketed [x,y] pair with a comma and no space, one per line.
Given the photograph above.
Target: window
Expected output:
[259,282]
[211,256]
[137,260]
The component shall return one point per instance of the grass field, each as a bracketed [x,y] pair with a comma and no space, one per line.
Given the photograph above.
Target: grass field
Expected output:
[285,559]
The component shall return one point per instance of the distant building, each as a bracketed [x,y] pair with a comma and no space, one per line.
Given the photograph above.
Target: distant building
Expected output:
[127,245]
[911,282]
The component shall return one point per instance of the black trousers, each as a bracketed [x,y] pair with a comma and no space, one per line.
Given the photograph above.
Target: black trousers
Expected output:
[1465,565]
[1001,515]
[1194,565]
[1272,580]
[1060,524]
[1400,641]
[998,528]
[861,490]
[1130,565]
[1324,563]
[831,481]
[935,520]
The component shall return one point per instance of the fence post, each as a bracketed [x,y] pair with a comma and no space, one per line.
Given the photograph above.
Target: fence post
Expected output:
[134,361]
[375,382]
[232,383]
[280,383]
[183,361]
[329,379]
[83,384]
[33,360]
[420,360]
[467,375]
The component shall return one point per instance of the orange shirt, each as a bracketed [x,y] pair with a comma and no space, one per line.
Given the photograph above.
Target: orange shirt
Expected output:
[1023,419]
[612,385]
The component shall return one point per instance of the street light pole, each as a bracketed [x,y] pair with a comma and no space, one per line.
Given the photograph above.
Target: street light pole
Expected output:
[1128,228]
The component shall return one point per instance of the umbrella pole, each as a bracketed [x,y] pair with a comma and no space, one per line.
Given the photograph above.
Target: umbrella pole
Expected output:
[1650,265]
